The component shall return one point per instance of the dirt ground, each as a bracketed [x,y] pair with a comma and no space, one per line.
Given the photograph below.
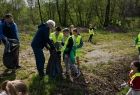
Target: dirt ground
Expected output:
[99,76]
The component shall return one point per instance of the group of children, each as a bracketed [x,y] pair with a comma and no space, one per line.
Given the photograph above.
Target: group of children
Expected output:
[68,42]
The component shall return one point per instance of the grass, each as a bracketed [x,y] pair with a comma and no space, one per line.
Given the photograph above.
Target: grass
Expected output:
[119,45]
[52,87]
[123,91]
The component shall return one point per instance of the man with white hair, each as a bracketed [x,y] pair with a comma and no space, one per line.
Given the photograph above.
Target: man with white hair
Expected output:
[41,40]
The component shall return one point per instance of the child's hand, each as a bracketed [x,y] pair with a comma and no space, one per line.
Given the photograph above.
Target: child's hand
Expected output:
[131,73]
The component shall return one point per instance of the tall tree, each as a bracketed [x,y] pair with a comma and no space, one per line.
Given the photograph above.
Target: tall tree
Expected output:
[107,14]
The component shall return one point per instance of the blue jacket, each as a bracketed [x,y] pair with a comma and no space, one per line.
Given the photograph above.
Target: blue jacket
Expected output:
[1,30]
[41,38]
[8,30]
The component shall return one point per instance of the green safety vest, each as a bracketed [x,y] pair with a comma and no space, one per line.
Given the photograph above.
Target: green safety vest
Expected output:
[65,43]
[78,39]
[56,39]
[91,31]
[78,50]
[138,41]
[72,53]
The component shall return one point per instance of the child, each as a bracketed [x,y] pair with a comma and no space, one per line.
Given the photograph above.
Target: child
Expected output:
[16,87]
[78,44]
[71,29]
[69,54]
[134,82]
[91,33]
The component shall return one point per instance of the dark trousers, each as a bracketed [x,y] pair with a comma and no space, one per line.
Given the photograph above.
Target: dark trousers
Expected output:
[90,38]
[40,60]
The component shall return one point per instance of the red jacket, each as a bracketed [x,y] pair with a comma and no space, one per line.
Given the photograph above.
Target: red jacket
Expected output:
[135,83]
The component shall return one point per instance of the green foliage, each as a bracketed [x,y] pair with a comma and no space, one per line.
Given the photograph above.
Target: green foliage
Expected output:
[123,91]
[41,87]
[77,12]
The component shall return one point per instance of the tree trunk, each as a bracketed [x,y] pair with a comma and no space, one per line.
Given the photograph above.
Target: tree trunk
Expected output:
[65,13]
[32,16]
[98,14]
[58,11]
[107,15]
[49,9]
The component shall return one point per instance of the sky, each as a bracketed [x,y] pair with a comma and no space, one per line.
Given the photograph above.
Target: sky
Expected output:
[30,0]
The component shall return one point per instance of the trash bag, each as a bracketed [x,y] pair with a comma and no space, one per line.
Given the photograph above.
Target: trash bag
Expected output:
[54,68]
[11,53]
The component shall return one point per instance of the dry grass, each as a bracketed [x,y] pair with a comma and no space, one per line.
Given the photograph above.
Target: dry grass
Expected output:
[100,76]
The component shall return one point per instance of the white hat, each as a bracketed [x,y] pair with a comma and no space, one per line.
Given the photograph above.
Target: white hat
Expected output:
[51,22]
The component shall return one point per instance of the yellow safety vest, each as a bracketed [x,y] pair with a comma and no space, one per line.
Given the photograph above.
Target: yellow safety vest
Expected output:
[77,41]
[134,76]
[91,31]
[65,43]
[138,43]
[72,53]
[56,39]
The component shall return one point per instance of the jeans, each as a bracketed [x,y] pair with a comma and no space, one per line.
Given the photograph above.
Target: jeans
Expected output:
[69,65]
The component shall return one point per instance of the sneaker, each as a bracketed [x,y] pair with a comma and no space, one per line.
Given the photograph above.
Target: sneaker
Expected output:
[77,75]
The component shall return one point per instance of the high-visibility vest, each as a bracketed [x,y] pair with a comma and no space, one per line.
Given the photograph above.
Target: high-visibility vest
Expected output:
[56,39]
[134,76]
[91,31]
[72,53]
[138,43]
[65,42]
[77,42]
